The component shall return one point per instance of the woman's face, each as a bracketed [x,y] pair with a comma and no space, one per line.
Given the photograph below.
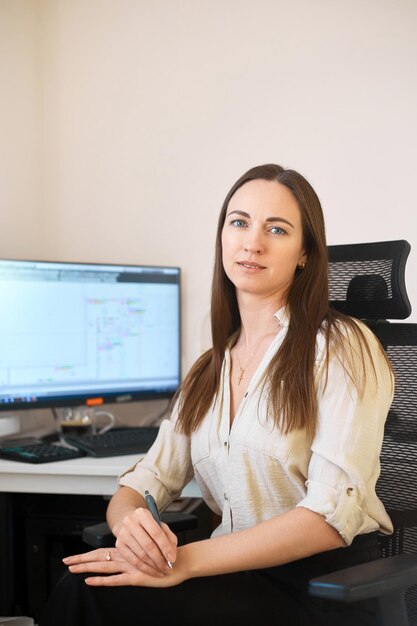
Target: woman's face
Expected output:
[262,240]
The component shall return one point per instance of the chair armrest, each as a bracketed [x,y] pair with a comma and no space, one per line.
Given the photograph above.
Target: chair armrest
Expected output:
[178,521]
[368,580]
[100,535]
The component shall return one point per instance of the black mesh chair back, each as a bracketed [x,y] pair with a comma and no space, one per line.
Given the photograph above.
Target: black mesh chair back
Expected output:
[367,281]
[397,485]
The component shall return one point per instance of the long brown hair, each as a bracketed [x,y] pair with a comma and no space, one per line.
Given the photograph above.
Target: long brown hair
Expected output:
[293,401]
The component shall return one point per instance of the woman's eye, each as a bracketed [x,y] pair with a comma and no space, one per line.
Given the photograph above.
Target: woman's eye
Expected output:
[238,223]
[276,230]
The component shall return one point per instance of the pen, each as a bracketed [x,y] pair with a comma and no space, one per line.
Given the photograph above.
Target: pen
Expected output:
[150,501]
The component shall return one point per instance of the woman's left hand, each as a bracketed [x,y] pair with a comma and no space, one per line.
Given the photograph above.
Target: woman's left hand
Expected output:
[113,570]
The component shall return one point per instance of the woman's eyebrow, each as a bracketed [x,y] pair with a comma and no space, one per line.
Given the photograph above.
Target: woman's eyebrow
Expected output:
[268,219]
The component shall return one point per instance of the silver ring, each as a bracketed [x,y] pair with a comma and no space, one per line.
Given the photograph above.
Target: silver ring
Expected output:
[108,556]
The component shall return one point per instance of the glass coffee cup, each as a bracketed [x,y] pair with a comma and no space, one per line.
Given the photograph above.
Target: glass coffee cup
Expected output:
[81,421]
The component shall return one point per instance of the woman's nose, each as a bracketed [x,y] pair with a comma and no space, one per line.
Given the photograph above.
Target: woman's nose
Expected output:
[253,242]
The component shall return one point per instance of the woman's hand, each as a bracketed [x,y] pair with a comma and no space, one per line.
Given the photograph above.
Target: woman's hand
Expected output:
[115,571]
[144,544]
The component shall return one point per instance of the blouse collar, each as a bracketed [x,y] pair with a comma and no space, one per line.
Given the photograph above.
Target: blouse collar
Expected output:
[283,316]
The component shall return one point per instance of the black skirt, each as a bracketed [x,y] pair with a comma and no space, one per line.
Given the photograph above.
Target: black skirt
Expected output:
[269,597]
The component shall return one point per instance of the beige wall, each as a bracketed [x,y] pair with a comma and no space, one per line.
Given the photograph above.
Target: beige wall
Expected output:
[142,113]
[20,129]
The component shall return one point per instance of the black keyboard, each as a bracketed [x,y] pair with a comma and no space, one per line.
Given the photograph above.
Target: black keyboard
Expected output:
[38,452]
[117,441]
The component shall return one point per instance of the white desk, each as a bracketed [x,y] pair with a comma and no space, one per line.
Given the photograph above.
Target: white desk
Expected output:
[87,475]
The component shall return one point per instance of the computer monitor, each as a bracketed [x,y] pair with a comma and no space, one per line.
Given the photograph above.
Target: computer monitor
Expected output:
[79,333]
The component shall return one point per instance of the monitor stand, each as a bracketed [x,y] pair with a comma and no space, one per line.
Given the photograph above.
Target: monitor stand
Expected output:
[9,425]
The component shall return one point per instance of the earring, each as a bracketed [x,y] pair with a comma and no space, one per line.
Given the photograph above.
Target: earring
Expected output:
[301,265]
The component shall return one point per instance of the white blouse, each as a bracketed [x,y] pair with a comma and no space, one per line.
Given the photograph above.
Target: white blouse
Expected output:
[251,472]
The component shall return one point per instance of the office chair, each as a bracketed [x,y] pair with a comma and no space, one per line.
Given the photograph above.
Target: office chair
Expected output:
[367,281]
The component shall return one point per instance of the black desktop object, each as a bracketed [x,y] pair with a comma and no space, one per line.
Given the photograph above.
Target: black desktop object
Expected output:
[115,442]
[33,450]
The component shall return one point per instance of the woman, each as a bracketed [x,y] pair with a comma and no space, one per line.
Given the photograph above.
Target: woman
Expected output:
[281,423]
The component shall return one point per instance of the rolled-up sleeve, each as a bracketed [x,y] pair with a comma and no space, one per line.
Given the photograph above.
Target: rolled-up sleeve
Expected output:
[166,468]
[344,464]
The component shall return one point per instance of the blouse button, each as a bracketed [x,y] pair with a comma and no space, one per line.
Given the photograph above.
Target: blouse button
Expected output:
[225,496]
[225,444]
[350,491]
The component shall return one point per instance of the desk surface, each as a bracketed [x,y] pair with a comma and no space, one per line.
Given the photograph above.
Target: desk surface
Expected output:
[87,475]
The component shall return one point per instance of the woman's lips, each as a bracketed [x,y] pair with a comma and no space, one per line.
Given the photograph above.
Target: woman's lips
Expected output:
[247,265]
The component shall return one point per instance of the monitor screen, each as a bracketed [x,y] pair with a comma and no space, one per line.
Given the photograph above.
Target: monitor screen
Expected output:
[76,333]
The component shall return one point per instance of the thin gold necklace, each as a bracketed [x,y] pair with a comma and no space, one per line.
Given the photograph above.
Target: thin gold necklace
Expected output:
[242,369]
[252,356]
